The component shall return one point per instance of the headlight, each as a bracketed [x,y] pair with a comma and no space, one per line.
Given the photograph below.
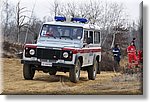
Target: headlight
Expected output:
[32,52]
[65,54]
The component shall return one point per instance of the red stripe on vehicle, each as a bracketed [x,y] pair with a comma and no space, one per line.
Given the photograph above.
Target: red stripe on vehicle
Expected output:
[30,46]
[75,51]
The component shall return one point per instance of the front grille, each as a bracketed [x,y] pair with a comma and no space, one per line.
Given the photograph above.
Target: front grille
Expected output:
[50,54]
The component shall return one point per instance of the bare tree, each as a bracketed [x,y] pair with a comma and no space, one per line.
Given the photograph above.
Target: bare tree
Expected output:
[7,18]
[20,18]
[105,14]
[6,9]
[16,24]
[94,11]
[34,29]
[83,10]
[67,9]
[70,9]
[30,22]
[54,7]
[113,16]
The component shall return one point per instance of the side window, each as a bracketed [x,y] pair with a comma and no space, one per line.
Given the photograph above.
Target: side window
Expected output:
[85,37]
[91,36]
[96,37]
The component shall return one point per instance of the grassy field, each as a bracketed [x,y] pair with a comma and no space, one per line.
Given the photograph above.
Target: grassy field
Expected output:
[106,83]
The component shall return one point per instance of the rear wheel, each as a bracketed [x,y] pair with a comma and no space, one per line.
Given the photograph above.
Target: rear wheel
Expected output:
[92,71]
[98,69]
[75,72]
[28,71]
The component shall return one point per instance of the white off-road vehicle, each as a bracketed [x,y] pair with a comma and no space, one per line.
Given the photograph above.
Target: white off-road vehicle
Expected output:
[64,46]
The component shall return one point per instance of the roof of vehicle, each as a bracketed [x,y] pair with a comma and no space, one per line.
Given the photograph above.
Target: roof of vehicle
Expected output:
[75,24]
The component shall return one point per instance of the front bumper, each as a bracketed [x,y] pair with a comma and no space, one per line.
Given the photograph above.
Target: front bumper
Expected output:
[53,64]
[30,62]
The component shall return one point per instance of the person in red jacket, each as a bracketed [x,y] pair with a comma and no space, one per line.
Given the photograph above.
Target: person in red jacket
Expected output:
[131,50]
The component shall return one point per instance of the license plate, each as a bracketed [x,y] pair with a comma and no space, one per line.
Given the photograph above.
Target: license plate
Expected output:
[46,64]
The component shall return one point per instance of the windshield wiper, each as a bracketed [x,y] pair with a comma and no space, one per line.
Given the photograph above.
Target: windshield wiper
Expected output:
[66,37]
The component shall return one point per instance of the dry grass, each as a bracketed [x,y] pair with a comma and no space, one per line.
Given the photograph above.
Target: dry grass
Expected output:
[105,83]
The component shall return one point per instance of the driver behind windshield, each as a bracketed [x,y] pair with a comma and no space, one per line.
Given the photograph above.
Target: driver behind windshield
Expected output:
[62,32]
[52,31]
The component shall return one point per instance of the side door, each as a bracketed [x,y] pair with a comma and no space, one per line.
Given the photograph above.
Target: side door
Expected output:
[97,42]
[85,47]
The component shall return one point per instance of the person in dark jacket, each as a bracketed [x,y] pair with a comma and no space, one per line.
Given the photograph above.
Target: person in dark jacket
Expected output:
[117,56]
[133,41]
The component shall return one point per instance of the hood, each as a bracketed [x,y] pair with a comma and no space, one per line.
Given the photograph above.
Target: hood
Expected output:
[58,43]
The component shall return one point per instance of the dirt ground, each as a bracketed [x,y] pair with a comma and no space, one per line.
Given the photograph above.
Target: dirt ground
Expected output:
[105,83]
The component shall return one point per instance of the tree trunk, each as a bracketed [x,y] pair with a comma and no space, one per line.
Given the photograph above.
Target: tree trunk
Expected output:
[113,41]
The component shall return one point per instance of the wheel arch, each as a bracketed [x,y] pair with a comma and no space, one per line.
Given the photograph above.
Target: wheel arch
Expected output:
[80,59]
[97,58]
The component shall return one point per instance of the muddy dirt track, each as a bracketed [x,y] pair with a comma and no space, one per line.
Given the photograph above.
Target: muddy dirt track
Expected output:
[43,83]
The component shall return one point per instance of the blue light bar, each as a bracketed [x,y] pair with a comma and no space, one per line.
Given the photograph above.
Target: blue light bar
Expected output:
[81,20]
[57,18]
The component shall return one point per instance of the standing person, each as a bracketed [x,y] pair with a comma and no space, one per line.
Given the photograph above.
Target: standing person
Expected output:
[131,50]
[117,56]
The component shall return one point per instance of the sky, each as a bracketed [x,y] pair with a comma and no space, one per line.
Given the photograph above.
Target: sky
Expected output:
[42,6]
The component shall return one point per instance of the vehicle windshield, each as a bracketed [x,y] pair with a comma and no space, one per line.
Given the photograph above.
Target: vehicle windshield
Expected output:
[58,31]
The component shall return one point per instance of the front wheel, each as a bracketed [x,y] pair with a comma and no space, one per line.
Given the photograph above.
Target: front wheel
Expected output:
[92,71]
[28,72]
[75,72]
[98,69]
